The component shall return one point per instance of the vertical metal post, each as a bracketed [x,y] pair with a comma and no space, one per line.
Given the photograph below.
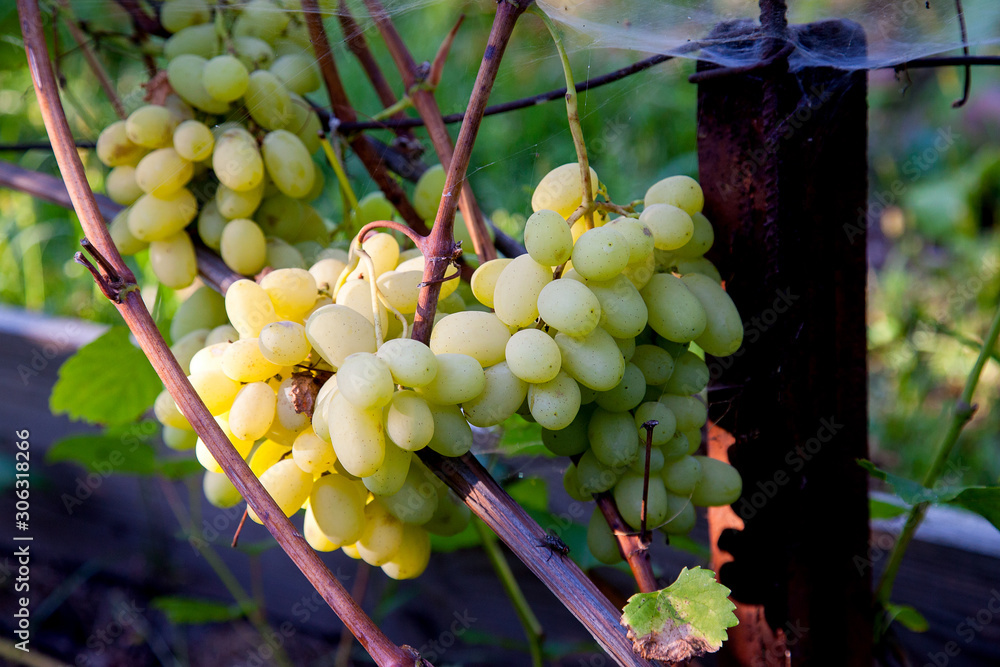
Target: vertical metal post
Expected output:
[783,159]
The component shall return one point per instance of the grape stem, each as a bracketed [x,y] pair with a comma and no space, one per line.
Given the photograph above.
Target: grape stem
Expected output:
[648,426]
[961,414]
[426,105]
[342,180]
[139,321]
[573,115]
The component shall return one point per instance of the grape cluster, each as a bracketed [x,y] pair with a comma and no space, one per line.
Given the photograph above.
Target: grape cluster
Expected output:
[230,147]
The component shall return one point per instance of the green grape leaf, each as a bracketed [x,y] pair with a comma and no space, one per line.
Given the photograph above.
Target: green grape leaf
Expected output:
[983,500]
[522,438]
[880,509]
[907,616]
[684,620]
[119,449]
[181,610]
[178,468]
[530,493]
[108,381]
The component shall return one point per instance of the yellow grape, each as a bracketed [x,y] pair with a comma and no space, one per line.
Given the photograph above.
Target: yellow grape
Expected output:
[204,455]
[600,254]
[284,343]
[216,389]
[365,381]
[151,126]
[701,240]
[452,433]
[411,363]
[288,163]
[167,412]
[173,260]
[459,378]
[502,396]
[674,311]
[515,298]
[417,500]
[121,185]
[187,346]
[293,292]
[484,279]
[267,453]
[153,218]
[547,238]
[623,312]
[391,475]
[638,236]
[184,74]
[413,555]
[680,191]
[289,485]
[262,19]
[312,453]
[249,308]
[219,491]
[198,40]
[326,271]
[554,404]
[314,536]
[225,78]
[671,227]
[408,421]
[243,362]
[232,204]
[253,52]
[358,436]
[533,356]
[210,225]
[243,246]
[427,192]
[593,360]
[569,306]
[561,191]
[252,411]
[357,295]
[122,235]
[236,160]
[163,172]
[382,535]
[114,147]
[268,102]
[477,334]
[400,288]
[384,251]
[336,332]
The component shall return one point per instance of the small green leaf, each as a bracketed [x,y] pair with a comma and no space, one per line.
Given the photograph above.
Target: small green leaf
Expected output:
[181,610]
[120,449]
[907,616]
[983,500]
[687,619]
[178,468]
[880,509]
[256,548]
[108,381]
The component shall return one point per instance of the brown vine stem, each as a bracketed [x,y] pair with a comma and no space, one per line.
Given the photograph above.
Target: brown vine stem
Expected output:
[82,42]
[427,106]
[143,21]
[633,549]
[344,112]
[129,303]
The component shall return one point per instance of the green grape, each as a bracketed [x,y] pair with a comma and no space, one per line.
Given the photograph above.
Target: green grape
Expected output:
[313,232]
[391,475]
[638,237]
[292,291]
[623,311]
[601,541]
[554,404]
[203,309]
[249,308]
[384,251]
[672,228]
[699,265]
[593,360]
[674,311]
[151,126]
[627,347]
[690,411]
[338,508]
[122,236]
[176,15]
[719,483]
[682,475]
[570,440]
[252,411]
[262,19]
[336,332]
[268,102]
[211,223]
[382,535]
[224,333]
[289,485]
[408,421]
[664,431]
[326,271]
[184,74]
[452,433]
[477,334]
[114,147]
[243,362]
[298,72]
[593,476]
[357,295]
[690,375]
[412,557]
[417,500]
[173,260]
[280,215]
[449,285]
[232,204]
[411,363]
[656,460]
[515,298]
[208,358]
[253,52]
[305,124]
[681,516]
[283,255]
[225,78]
[193,141]
[215,389]
[613,439]
[288,163]
[167,412]
[572,485]
[679,445]
[163,172]
[284,343]
[561,191]
[197,40]
[485,278]
[313,535]
[365,381]
[656,364]
[373,206]
[547,238]
[641,273]
[568,306]
[312,453]
[358,436]
[723,333]
[627,394]
[600,254]
[450,517]
[204,455]
[121,185]
[533,356]
[243,246]
[427,193]
[459,378]
[400,288]
[179,439]
[503,395]
[628,498]
[219,491]
[680,191]
[701,241]
[237,161]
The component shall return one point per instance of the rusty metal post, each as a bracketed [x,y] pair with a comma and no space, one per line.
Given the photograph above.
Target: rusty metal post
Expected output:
[783,159]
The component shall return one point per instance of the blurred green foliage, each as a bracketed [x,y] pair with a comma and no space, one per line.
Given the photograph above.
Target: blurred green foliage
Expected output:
[935,185]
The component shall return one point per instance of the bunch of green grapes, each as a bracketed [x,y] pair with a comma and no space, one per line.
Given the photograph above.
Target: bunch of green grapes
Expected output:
[594,333]
[229,152]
